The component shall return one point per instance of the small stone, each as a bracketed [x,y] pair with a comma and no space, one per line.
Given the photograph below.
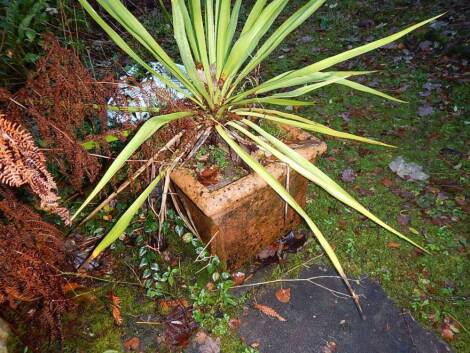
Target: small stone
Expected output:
[425,45]
[425,110]
[407,171]
[4,333]
[348,175]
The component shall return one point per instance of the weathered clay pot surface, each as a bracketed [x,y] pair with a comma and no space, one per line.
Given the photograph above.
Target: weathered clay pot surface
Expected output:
[246,215]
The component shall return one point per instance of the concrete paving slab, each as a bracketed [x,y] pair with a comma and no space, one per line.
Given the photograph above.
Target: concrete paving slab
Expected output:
[319,322]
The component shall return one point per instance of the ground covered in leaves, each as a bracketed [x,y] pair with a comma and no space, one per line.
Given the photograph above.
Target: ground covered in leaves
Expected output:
[427,69]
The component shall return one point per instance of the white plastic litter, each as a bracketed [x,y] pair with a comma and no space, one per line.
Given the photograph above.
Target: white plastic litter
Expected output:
[145,94]
[407,171]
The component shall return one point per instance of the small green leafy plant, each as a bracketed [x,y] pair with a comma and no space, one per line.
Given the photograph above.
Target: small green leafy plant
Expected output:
[21,23]
[218,56]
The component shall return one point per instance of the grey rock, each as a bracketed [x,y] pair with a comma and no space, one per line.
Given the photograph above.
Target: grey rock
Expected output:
[425,110]
[348,175]
[407,171]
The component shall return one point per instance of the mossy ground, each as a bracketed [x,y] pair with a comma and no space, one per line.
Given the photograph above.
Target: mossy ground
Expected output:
[430,286]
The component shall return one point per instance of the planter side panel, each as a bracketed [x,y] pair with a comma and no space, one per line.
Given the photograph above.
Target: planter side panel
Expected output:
[257,222]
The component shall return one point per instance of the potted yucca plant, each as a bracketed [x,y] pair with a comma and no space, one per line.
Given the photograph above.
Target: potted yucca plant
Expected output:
[218,55]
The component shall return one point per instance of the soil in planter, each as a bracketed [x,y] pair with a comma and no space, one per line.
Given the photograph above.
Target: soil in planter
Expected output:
[216,165]
[215,168]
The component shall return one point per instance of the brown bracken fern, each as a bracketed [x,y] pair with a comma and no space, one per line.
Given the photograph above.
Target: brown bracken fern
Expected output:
[32,254]
[22,163]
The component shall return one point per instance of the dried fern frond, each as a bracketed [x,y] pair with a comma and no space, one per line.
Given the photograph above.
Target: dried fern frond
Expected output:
[21,163]
[32,254]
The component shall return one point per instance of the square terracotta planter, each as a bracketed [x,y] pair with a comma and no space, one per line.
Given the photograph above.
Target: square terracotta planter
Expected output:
[246,215]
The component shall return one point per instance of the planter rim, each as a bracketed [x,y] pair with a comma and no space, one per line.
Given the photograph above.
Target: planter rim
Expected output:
[214,202]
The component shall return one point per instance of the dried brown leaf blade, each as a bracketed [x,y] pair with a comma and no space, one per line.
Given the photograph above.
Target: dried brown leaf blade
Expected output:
[267,310]
[116,309]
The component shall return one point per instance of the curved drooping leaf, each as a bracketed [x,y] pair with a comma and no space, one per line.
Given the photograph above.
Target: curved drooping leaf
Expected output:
[145,131]
[284,194]
[273,100]
[319,77]
[305,124]
[349,54]
[120,226]
[294,93]
[366,89]
[313,173]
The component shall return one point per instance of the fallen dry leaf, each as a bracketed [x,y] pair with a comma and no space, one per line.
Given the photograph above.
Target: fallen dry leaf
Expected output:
[393,245]
[330,347]
[206,343]
[179,326]
[387,182]
[447,334]
[116,308]
[460,200]
[167,305]
[132,344]
[234,323]
[348,175]
[238,278]
[208,176]
[449,328]
[71,286]
[266,310]
[283,295]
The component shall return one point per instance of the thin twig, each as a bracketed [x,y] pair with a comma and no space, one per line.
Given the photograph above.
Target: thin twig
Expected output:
[162,214]
[149,323]
[288,190]
[201,139]
[205,247]
[310,280]
[83,275]
[304,263]
[457,321]
[166,187]
[187,220]
[135,273]
[127,160]
[134,176]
